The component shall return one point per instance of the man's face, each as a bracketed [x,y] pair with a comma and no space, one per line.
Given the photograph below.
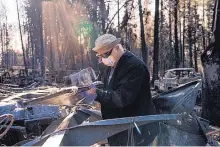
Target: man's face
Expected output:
[103,54]
[106,57]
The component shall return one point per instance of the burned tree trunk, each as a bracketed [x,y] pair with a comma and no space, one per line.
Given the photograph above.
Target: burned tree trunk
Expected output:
[195,57]
[208,34]
[2,43]
[103,14]
[118,3]
[203,38]
[162,64]
[170,27]
[22,44]
[41,40]
[180,41]
[31,42]
[94,36]
[211,79]
[190,34]
[176,35]
[143,42]
[156,42]
[6,42]
[195,37]
[51,56]
[184,31]
[203,31]
[170,36]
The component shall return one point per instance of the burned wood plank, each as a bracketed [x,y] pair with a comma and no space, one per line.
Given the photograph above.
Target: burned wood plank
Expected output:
[67,96]
[55,98]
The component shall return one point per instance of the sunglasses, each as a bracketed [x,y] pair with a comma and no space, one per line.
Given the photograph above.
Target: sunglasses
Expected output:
[105,55]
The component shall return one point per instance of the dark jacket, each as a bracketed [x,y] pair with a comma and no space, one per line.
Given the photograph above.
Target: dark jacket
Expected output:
[127,94]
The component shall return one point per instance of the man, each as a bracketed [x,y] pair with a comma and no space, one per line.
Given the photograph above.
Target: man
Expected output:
[126,90]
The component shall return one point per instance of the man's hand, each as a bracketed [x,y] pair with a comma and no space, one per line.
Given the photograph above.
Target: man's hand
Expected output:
[89,95]
[92,91]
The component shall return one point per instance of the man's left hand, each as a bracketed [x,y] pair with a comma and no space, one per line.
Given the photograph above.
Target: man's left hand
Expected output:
[92,91]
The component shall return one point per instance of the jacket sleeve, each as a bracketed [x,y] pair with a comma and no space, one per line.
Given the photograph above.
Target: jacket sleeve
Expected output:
[129,88]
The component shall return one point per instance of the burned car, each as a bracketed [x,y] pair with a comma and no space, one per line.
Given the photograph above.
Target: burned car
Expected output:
[175,77]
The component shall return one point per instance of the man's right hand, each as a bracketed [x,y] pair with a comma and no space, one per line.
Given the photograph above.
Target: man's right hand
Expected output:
[96,84]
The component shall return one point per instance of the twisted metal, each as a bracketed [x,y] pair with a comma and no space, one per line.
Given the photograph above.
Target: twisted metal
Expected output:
[6,117]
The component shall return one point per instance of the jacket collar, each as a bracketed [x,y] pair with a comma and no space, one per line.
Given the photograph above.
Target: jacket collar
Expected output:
[117,67]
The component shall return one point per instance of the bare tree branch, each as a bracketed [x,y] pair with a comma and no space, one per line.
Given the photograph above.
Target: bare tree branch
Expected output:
[116,14]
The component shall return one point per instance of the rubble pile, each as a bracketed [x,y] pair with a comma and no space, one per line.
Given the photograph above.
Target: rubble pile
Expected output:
[35,106]
[41,112]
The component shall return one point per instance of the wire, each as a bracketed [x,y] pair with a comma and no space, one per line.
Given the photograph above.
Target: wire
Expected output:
[7,120]
[11,117]
[130,140]
[3,120]
[213,132]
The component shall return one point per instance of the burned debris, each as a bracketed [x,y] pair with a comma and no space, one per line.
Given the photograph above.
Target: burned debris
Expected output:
[175,77]
[46,101]
[42,114]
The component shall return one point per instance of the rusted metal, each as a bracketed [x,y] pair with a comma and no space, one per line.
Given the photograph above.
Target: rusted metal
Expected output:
[37,126]
[171,135]
[66,96]
[33,112]
[6,117]
[179,100]
[95,115]
[78,127]
[189,132]
[34,119]
[55,98]
[14,135]
[72,120]
[90,133]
